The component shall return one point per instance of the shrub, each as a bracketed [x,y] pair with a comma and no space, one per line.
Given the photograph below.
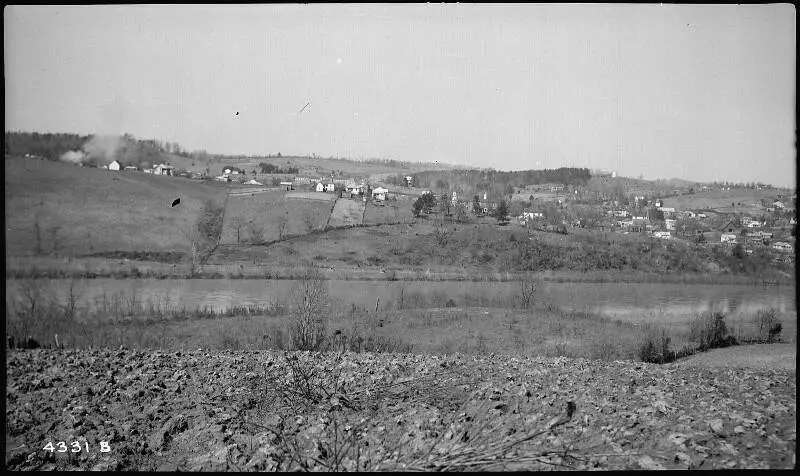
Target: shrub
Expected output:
[309,308]
[654,346]
[709,330]
[450,303]
[769,326]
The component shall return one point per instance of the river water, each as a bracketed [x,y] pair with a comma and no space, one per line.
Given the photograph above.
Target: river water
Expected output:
[629,301]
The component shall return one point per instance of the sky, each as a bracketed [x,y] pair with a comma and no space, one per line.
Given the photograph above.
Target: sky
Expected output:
[700,92]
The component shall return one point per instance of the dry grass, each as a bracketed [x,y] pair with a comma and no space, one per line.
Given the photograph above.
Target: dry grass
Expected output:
[273,216]
[347,212]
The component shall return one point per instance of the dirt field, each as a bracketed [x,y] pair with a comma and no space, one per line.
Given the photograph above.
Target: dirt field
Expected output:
[347,212]
[207,410]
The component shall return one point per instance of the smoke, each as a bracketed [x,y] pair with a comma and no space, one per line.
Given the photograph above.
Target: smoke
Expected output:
[103,147]
[74,157]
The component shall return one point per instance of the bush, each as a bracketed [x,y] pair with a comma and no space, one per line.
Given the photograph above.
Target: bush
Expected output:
[709,330]
[769,326]
[450,303]
[309,308]
[654,346]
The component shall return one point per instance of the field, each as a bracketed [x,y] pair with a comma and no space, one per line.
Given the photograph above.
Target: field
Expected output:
[347,212]
[390,211]
[271,216]
[84,210]
[323,167]
[760,356]
[720,201]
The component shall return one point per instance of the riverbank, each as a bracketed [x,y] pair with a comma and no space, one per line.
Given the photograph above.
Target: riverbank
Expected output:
[91,268]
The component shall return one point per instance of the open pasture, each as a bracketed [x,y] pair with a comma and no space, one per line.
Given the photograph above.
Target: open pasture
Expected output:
[347,212]
[271,216]
[83,210]
[389,211]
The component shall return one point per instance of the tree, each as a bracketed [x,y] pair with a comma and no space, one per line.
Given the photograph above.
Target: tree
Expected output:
[476,205]
[309,302]
[501,213]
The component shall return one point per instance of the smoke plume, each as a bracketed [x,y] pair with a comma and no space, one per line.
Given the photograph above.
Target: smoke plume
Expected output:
[103,147]
[73,157]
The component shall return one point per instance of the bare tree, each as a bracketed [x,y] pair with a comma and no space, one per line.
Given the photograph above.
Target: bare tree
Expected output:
[442,233]
[309,308]
[528,289]
[237,223]
[282,227]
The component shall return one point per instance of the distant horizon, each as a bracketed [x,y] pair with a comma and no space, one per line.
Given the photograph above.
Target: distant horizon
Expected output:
[664,90]
[456,166]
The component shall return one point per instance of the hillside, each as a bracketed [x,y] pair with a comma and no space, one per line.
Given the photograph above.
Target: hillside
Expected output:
[92,210]
[267,410]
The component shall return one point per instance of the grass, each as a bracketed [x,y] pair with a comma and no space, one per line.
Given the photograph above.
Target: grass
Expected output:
[390,211]
[475,323]
[270,216]
[347,212]
[98,211]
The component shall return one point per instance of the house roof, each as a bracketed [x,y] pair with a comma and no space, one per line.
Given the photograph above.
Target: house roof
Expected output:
[380,190]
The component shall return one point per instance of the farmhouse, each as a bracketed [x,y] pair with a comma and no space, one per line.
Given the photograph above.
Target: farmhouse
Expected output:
[114,165]
[320,187]
[380,193]
[162,169]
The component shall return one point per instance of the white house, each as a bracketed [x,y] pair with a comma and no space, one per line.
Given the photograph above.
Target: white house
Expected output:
[330,187]
[288,185]
[235,172]
[727,238]
[113,165]
[379,193]
[320,187]
[162,169]
[226,171]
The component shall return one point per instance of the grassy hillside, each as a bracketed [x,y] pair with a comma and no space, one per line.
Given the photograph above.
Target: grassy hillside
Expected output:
[83,210]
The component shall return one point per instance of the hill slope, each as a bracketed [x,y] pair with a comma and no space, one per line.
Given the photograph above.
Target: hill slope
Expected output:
[97,210]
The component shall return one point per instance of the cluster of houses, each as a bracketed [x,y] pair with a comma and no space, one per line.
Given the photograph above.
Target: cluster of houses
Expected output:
[160,169]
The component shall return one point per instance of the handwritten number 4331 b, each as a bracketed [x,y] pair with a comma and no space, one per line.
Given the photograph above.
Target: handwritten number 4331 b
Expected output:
[74,447]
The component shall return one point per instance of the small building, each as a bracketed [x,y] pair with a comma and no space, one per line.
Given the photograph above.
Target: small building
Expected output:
[778,204]
[330,187]
[148,171]
[729,238]
[114,165]
[408,181]
[227,171]
[131,167]
[380,193]
[320,187]
[253,182]
[162,169]
[662,234]
[288,185]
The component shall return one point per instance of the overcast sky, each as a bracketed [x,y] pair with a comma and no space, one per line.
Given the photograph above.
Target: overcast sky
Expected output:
[697,92]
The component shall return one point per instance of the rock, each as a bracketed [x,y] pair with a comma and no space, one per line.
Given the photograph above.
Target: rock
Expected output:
[649,464]
[683,458]
[717,427]
[677,438]
[163,436]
